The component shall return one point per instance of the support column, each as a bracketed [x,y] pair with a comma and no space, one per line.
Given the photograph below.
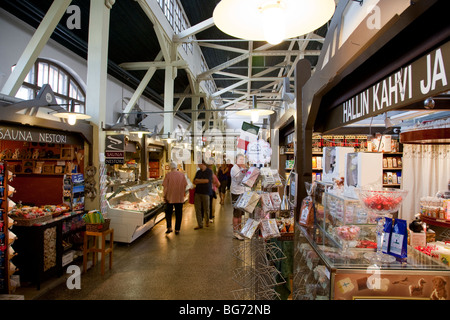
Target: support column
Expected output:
[170,76]
[97,67]
[35,46]
[303,135]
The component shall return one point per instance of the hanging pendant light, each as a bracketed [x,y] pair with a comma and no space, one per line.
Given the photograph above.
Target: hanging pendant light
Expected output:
[272,20]
[140,131]
[254,112]
[71,115]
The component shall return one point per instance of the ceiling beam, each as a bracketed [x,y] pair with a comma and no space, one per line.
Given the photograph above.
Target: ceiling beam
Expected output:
[222,47]
[189,32]
[35,46]
[145,65]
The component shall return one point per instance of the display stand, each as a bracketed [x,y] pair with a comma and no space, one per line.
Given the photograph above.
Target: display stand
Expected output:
[73,191]
[257,274]
[7,238]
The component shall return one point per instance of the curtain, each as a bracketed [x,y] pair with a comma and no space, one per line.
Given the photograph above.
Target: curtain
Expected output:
[426,170]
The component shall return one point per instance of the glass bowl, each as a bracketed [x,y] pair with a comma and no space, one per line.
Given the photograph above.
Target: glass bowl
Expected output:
[382,201]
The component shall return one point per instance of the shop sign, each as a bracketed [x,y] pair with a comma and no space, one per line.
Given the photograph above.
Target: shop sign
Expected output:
[425,77]
[115,149]
[33,134]
[259,152]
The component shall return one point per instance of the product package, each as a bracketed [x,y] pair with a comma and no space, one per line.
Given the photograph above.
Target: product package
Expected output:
[306,217]
[266,203]
[276,200]
[250,177]
[248,201]
[386,235]
[399,239]
[269,229]
[249,228]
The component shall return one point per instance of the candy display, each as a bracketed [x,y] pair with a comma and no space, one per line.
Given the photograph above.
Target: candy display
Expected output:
[383,200]
[28,212]
[348,233]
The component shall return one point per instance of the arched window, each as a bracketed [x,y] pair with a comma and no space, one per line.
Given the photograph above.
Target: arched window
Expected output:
[64,85]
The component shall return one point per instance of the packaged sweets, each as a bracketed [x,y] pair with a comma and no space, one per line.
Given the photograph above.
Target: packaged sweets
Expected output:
[266,203]
[249,228]
[306,217]
[250,177]
[269,229]
[276,200]
[248,201]
[399,239]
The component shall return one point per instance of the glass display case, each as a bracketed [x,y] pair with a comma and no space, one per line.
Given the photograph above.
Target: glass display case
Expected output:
[133,210]
[330,260]
[322,272]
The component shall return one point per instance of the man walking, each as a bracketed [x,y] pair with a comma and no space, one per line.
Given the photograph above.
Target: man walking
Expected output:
[203,189]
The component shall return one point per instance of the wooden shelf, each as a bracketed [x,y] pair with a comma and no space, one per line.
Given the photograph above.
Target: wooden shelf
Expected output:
[391,185]
[392,168]
[429,136]
[435,222]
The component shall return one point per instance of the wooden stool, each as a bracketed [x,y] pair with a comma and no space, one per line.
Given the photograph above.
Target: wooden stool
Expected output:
[94,249]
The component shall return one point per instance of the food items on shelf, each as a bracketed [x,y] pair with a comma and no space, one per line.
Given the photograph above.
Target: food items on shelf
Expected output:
[148,202]
[348,233]
[31,212]
[367,244]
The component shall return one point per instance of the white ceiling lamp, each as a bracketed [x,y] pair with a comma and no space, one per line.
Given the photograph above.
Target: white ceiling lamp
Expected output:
[140,131]
[271,20]
[71,115]
[255,112]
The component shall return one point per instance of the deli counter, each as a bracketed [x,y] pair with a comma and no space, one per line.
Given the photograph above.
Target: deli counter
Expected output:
[135,209]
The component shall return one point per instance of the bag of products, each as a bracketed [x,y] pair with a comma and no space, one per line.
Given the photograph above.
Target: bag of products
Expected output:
[399,239]
[386,235]
[306,217]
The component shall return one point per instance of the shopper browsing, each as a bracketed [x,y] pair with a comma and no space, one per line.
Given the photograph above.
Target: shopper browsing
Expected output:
[237,173]
[174,185]
[203,189]
[215,189]
[223,174]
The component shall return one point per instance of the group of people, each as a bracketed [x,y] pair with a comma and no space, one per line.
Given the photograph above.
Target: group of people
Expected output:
[207,185]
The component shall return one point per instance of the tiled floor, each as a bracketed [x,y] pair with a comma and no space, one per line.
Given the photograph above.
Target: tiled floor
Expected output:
[194,265]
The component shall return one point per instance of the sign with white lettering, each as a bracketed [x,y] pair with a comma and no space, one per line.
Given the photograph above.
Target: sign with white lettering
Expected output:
[35,134]
[425,77]
[115,149]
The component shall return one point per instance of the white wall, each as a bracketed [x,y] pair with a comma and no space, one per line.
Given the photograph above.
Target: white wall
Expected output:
[14,36]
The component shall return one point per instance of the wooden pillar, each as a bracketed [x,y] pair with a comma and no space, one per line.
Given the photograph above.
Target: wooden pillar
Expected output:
[303,135]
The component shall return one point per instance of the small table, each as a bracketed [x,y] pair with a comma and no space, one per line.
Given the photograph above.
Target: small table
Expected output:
[94,249]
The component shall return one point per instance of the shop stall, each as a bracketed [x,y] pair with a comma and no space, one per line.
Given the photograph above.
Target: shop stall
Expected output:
[134,187]
[43,184]
[364,241]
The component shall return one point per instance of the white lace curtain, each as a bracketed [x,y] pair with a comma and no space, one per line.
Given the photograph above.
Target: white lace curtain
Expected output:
[426,170]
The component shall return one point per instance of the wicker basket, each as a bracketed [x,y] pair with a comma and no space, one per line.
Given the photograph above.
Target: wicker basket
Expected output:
[29,222]
[98,227]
